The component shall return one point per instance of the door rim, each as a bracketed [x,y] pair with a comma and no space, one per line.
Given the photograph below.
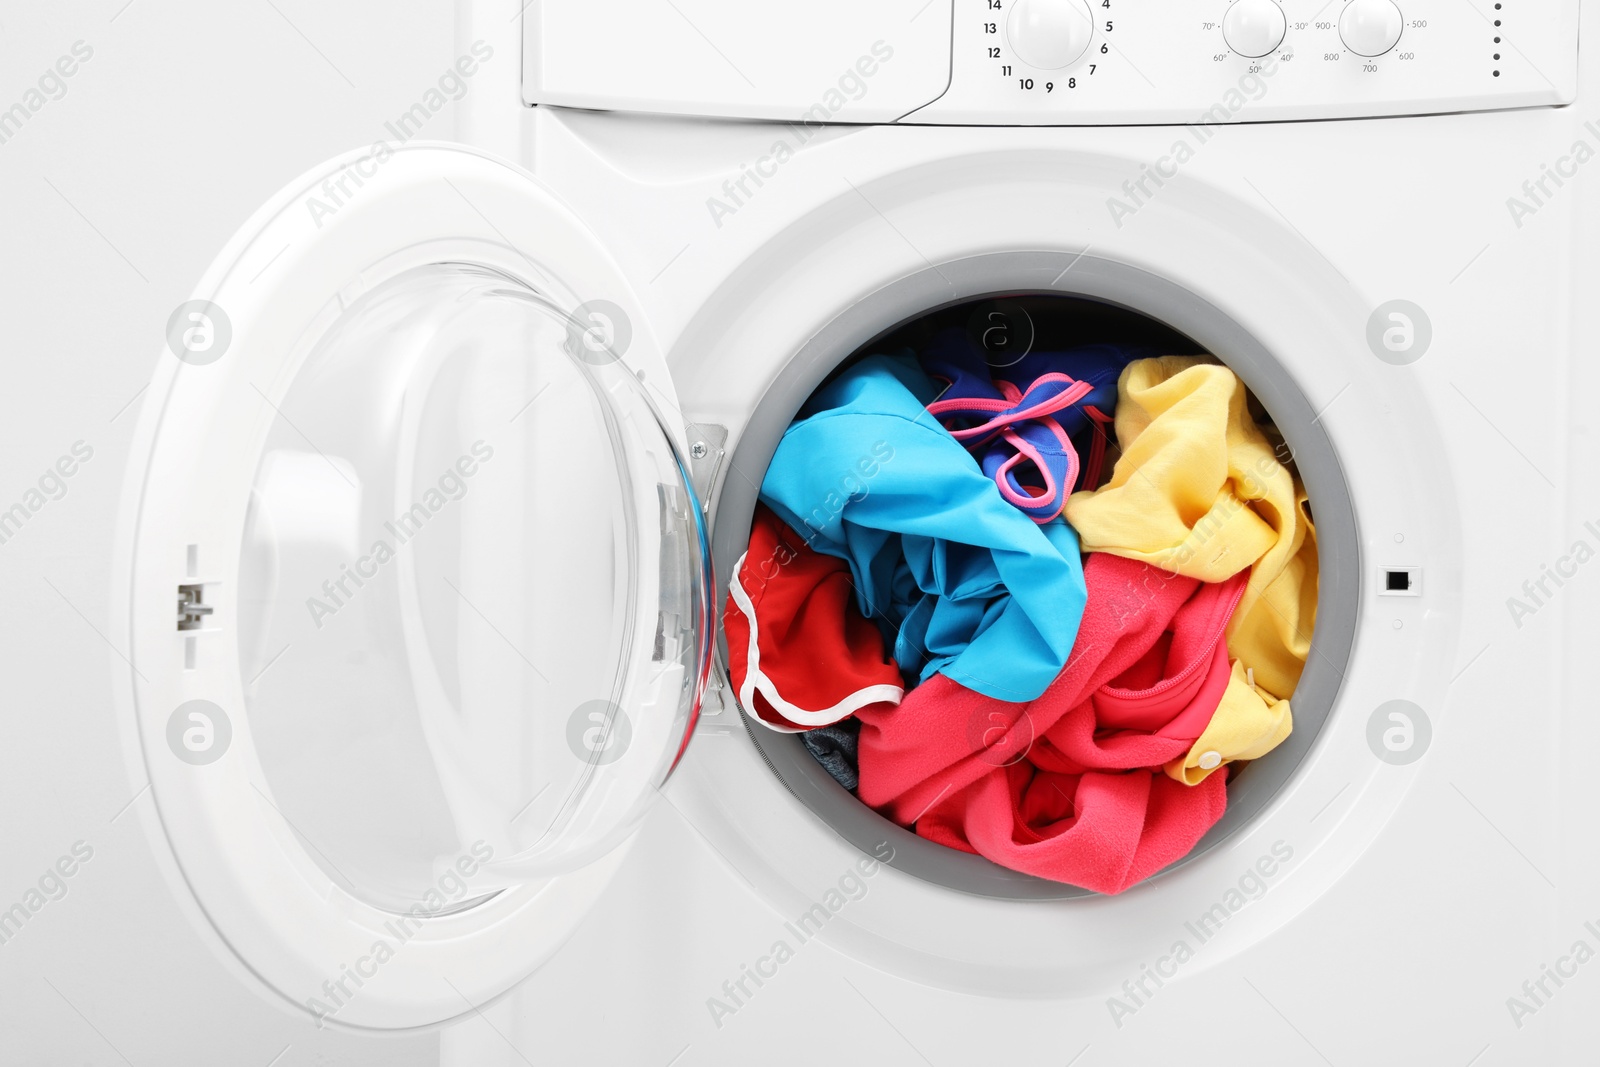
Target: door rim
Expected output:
[243,877]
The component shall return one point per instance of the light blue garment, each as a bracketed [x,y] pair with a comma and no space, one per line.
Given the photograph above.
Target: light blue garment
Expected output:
[971,587]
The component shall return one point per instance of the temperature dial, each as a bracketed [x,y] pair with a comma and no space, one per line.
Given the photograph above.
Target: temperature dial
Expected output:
[1254,28]
[1370,27]
[1050,34]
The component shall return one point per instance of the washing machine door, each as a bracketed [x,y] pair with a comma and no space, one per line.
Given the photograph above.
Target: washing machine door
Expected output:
[418,591]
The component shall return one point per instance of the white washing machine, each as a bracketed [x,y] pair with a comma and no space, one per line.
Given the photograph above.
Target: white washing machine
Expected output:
[442,473]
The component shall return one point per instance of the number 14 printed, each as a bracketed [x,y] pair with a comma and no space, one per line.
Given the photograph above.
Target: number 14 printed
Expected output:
[1028,83]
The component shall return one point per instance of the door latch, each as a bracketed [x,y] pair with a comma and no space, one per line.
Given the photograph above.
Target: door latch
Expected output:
[192,609]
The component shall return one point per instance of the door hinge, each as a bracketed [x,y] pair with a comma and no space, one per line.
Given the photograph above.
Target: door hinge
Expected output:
[707,447]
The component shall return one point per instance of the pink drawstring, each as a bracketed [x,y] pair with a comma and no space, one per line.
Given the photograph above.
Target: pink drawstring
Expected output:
[1006,411]
[1097,447]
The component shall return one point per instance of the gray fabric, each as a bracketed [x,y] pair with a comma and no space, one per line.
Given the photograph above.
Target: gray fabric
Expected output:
[834,747]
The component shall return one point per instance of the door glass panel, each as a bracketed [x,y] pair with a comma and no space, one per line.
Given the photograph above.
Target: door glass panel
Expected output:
[472,603]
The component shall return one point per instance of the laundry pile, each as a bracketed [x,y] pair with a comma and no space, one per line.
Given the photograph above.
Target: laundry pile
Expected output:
[1046,677]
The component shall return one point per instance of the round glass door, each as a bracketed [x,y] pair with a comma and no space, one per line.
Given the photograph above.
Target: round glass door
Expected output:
[471,596]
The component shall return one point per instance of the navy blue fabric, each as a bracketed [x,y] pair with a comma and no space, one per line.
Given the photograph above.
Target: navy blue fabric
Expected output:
[1100,365]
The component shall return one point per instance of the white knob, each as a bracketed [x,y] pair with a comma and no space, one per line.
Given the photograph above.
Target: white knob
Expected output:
[1254,28]
[1049,34]
[1370,27]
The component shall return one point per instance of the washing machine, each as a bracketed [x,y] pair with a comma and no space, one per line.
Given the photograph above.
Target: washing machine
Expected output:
[447,461]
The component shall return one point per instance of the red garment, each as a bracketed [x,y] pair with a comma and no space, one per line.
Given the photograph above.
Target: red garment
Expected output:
[800,653]
[1068,787]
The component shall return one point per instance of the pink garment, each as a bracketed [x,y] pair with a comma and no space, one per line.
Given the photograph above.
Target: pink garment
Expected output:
[1105,832]
[1068,786]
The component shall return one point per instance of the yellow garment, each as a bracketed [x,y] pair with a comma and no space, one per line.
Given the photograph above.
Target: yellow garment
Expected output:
[1199,491]
[1249,723]
[1273,636]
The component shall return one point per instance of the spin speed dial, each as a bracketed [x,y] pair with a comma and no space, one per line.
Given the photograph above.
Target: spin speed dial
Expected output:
[1370,27]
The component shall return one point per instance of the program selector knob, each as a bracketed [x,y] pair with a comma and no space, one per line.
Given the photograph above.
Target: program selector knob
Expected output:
[1050,34]
[1370,27]
[1254,28]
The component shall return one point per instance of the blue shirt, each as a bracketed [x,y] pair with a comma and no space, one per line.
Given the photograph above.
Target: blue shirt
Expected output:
[971,587]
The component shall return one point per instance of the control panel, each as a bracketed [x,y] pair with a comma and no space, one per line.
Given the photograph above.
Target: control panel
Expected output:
[1069,62]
